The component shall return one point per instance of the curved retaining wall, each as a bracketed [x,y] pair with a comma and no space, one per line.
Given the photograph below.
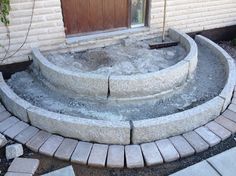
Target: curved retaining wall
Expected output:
[123,132]
[123,87]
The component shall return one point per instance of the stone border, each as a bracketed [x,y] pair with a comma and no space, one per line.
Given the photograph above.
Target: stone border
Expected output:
[121,156]
[123,87]
[108,132]
[178,123]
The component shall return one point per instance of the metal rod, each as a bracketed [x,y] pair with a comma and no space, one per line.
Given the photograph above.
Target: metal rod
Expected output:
[164,21]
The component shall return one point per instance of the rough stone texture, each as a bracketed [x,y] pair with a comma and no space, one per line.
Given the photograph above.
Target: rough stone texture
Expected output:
[208,136]
[4,125]
[38,140]
[51,145]
[13,103]
[14,151]
[26,134]
[229,65]
[230,114]
[151,154]
[199,169]
[24,165]
[81,83]
[171,125]
[3,141]
[133,155]
[150,84]
[167,150]
[98,155]
[116,156]
[4,115]
[182,146]
[66,171]
[15,129]
[82,152]
[196,141]
[228,124]
[66,149]
[80,128]
[218,130]
[225,163]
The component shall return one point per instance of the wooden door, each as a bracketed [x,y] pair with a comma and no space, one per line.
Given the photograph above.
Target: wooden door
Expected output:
[82,16]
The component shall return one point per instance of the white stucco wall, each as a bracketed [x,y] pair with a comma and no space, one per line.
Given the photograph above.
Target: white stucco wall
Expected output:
[47,31]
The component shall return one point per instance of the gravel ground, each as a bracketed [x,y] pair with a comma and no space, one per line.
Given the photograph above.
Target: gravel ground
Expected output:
[228,46]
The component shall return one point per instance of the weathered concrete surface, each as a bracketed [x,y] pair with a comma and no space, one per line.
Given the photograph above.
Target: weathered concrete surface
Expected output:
[13,103]
[80,83]
[80,128]
[171,125]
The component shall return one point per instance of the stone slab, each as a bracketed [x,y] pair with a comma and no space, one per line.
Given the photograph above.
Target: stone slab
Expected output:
[168,151]
[151,154]
[196,141]
[17,174]
[4,125]
[24,165]
[51,145]
[182,146]
[199,169]
[98,155]
[208,136]
[13,102]
[82,152]
[231,115]
[228,124]
[171,125]
[219,130]
[15,129]
[4,115]
[225,163]
[66,171]
[38,140]
[133,155]
[26,134]
[100,131]
[116,156]
[66,149]
[14,151]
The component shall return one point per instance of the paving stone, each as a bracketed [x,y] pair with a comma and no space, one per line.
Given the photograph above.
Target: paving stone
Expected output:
[234,100]
[116,156]
[199,169]
[3,141]
[4,115]
[66,171]
[167,150]
[38,140]
[228,124]
[14,151]
[232,107]
[219,130]
[17,174]
[133,155]
[26,134]
[4,125]
[66,149]
[196,141]
[51,145]
[98,155]
[230,115]
[24,165]
[208,136]
[82,152]
[151,154]
[15,129]
[2,108]
[182,146]
[225,163]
